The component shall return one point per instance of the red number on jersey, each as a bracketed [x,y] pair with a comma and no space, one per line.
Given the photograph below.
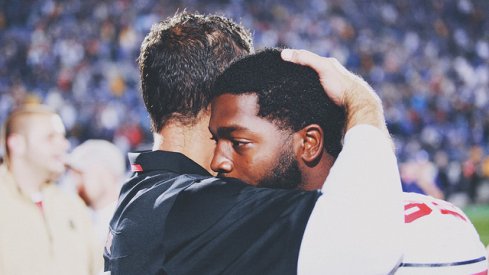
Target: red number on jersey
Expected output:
[416,210]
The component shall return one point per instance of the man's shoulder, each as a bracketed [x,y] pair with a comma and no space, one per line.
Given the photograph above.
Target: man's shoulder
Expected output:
[154,189]
[7,185]
[214,191]
[141,213]
[219,200]
[424,208]
[438,234]
[435,216]
[194,199]
[158,182]
[260,223]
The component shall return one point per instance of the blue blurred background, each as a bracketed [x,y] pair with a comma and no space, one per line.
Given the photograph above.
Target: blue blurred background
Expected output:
[428,60]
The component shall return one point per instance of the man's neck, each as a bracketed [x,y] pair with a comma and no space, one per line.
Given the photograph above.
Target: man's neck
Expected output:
[313,177]
[29,181]
[192,141]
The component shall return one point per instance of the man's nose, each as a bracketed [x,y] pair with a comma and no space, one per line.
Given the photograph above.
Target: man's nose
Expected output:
[220,163]
[64,143]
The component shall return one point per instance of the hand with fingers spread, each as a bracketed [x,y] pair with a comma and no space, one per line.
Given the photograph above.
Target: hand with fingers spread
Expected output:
[345,88]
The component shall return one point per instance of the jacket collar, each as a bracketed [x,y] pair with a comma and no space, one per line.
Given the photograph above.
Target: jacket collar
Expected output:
[146,161]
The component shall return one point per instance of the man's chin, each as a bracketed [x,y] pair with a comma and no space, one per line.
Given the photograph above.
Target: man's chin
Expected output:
[56,172]
[285,175]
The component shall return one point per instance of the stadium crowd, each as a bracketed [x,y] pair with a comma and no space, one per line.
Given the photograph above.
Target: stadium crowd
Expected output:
[428,60]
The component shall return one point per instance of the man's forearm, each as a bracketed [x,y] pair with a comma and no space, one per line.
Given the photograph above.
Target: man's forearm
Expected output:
[363,106]
[355,226]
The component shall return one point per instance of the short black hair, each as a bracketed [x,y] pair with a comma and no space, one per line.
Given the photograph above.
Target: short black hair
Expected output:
[179,60]
[289,95]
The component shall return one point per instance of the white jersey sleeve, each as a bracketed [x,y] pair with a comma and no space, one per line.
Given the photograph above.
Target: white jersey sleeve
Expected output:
[439,239]
[355,225]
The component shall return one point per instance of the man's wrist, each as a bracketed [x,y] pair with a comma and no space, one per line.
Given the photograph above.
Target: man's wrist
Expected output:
[363,106]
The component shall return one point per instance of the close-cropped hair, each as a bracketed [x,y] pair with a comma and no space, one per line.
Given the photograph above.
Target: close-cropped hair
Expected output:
[15,122]
[288,95]
[179,60]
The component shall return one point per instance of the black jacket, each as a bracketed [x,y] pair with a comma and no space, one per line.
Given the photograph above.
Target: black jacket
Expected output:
[174,218]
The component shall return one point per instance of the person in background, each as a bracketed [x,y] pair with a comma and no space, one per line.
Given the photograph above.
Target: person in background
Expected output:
[44,230]
[97,169]
[418,175]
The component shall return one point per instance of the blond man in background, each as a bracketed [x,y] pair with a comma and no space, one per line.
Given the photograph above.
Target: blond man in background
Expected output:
[44,230]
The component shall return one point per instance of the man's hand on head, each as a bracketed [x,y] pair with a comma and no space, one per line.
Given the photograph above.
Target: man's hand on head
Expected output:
[363,106]
[335,78]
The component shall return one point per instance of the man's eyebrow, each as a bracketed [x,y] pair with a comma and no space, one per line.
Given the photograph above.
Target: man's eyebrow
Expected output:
[227,130]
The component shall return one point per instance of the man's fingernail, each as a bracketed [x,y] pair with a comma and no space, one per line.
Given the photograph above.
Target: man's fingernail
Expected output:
[286,54]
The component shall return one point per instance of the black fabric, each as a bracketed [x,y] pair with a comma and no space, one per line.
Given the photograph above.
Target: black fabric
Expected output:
[171,222]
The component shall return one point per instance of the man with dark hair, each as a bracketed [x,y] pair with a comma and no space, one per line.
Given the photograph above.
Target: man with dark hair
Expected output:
[291,97]
[174,218]
[179,60]
[269,123]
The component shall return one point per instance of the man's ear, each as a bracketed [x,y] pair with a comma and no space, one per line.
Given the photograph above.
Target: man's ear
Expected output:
[16,144]
[312,144]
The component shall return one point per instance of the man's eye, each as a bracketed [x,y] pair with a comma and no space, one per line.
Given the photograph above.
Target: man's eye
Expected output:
[239,143]
[214,139]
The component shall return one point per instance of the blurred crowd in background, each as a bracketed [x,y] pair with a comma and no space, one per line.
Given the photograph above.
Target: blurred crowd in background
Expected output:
[428,60]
